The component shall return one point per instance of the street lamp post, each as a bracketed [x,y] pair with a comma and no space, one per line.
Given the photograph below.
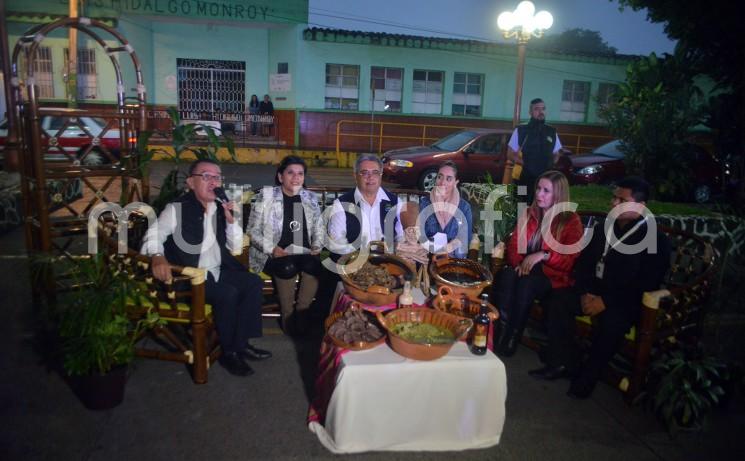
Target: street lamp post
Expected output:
[523,24]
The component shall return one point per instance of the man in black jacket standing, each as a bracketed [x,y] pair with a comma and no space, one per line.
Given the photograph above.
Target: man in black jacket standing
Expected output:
[611,275]
[539,144]
[195,231]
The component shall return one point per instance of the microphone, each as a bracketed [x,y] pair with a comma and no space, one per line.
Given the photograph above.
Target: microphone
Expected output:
[221,196]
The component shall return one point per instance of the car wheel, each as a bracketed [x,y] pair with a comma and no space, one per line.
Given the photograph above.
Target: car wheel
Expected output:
[702,193]
[427,179]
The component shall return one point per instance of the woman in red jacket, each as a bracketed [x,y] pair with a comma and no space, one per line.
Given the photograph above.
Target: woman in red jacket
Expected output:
[536,263]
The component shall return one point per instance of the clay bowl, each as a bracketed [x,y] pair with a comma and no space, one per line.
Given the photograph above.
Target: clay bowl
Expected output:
[375,295]
[463,276]
[356,345]
[447,301]
[458,326]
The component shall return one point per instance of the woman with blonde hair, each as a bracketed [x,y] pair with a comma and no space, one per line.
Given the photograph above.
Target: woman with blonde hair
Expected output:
[535,263]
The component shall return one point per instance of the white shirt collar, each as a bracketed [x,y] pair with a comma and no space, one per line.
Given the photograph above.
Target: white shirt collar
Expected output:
[359,199]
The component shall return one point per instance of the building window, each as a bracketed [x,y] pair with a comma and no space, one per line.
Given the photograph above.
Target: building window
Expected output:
[386,84]
[283,68]
[574,101]
[208,88]
[342,87]
[606,94]
[43,72]
[87,76]
[467,94]
[426,96]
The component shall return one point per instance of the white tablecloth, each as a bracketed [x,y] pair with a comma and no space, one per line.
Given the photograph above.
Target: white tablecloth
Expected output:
[383,401]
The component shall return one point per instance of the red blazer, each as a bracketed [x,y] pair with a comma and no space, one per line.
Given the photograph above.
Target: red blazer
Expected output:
[558,267]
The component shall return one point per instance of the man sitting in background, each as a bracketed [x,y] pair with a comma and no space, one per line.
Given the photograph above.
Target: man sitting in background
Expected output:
[611,276]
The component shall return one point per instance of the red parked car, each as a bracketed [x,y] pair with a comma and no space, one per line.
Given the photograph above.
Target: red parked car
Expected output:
[476,151]
[604,165]
[71,144]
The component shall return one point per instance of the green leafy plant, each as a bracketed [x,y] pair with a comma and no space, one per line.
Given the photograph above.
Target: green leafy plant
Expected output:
[184,140]
[685,387]
[96,333]
[653,113]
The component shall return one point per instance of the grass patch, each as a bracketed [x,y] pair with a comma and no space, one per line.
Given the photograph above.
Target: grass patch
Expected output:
[597,198]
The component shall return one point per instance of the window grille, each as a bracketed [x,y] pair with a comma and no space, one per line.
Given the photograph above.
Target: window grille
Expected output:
[386,84]
[43,72]
[342,87]
[574,97]
[606,94]
[467,94]
[208,89]
[426,96]
[87,74]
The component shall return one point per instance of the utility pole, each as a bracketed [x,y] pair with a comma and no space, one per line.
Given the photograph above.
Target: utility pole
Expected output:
[72,62]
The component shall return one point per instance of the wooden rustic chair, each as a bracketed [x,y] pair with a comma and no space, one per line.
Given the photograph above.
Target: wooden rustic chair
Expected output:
[670,315]
[188,335]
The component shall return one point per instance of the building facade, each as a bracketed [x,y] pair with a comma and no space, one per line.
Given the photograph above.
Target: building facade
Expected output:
[330,88]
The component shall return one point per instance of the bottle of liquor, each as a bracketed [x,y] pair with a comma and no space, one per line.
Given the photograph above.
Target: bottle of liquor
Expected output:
[481,327]
[473,247]
[406,299]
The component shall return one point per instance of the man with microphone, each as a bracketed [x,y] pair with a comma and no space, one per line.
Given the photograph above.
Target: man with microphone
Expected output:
[199,229]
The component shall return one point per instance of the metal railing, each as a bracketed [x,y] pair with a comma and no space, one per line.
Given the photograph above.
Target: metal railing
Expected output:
[423,137]
[578,143]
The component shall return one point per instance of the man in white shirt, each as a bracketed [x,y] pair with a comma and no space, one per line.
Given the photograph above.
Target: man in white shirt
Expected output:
[366,214]
[195,231]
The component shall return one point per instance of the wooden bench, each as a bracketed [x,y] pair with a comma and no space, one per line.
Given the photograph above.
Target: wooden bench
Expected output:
[672,314]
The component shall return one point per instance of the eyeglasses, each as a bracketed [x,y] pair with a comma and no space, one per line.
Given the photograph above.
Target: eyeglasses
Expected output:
[206,177]
[368,173]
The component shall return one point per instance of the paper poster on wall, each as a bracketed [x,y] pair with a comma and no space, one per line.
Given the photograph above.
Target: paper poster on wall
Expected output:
[280,83]
[171,82]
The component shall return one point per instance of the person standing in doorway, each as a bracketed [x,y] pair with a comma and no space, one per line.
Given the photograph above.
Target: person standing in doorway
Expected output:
[253,112]
[266,108]
[535,146]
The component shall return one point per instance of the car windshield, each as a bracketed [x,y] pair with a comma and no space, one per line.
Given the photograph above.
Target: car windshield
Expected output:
[610,149]
[455,141]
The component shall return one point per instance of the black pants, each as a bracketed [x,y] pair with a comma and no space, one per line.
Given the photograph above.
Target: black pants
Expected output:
[529,182]
[608,331]
[515,294]
[288,267]
[236,306]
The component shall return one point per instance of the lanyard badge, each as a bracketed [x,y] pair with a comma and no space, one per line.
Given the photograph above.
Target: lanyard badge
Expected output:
[600,269]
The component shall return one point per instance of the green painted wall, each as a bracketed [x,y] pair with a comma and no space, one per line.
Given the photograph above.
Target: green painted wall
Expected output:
[543,77]
[283,47]
[57,41]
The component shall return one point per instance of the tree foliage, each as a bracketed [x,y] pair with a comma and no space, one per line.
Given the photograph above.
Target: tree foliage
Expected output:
[653,113]
[708,34]
[581,41]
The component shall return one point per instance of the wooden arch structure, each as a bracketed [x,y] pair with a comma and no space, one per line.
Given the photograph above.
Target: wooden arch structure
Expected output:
[60,184]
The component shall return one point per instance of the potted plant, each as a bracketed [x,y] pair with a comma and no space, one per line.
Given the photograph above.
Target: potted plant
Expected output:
[685,386]
[97,337]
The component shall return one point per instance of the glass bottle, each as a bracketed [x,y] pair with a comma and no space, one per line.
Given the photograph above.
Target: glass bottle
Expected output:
[481,327]
[406,299]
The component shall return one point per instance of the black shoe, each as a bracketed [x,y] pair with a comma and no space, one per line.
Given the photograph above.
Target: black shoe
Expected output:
[581,388]
[549,373]
[234,364]
[508,344]
[254,353]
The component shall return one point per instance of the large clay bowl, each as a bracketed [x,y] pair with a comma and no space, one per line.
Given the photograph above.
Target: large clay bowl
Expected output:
[356,345]
[447,301]
[375,295]
[458,326]
[463,276]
